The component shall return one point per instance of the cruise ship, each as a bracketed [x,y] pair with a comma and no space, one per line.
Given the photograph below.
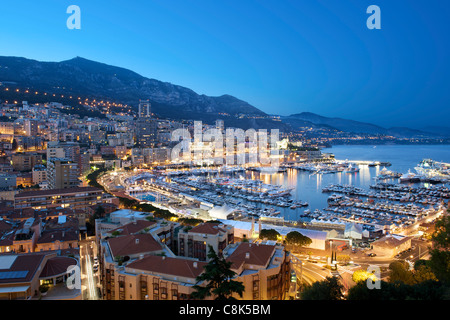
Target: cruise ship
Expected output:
[430,168]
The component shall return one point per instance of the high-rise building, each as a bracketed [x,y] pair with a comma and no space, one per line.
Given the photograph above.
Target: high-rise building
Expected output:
[146,132]
[31,127]
[220,125]
[68,150]
[144,109]
[62,173]
[25,161]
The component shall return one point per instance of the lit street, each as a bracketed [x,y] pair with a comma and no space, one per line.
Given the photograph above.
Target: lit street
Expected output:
[88,279]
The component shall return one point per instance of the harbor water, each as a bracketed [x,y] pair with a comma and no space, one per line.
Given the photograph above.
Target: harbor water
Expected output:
[308,187]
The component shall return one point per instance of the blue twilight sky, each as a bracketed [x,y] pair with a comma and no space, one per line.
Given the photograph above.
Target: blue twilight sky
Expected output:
[281,56]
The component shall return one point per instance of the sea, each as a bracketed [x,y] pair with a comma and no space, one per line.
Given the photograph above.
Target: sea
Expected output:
[308,187]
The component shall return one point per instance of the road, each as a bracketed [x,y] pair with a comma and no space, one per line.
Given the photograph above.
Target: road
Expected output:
[311,272]
[88,279]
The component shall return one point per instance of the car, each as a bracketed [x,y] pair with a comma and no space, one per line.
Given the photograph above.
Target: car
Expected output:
[95,268]
[372,254]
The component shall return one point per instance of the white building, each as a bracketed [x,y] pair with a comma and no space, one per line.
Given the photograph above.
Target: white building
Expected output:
[353,231]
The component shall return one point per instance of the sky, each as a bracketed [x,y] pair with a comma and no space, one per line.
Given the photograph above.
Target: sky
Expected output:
[283,57]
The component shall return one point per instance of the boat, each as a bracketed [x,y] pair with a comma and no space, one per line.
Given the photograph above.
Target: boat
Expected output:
[410,177]
[351,169]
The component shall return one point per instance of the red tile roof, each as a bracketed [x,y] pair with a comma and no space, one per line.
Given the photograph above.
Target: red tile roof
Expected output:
[58,235]
[56,266]
[258,254]
[171,266]
[207,228]
[24,262]
[133,244]
[37,193]
[133,227]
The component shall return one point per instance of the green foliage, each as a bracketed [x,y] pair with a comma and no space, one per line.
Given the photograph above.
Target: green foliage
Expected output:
[399,272]
[441,235]
[218,280]
[440,255]
[296,238]
[343,258]
[269,234]
[362,275]
[328,289]
[190,221]
[92,178]
[440,264]
[427,290]
[146,207]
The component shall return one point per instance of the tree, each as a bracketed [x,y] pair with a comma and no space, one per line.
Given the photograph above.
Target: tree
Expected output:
[99,212]
[440,264]
[399,272]
[218,279]
[441,235]
[328,289]
[423,273]
[440,255]
[269,234]
[362,275]
[427,290]
[343,258]
[296,238]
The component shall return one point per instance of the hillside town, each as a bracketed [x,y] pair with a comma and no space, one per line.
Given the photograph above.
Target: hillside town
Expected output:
[104,195]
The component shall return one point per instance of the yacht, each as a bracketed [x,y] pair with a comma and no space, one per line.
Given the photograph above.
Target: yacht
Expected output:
[410,177]
[351,169]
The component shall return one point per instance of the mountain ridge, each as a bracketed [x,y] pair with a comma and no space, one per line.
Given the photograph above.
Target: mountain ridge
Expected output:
[96,80]
[354,126]
[87,77]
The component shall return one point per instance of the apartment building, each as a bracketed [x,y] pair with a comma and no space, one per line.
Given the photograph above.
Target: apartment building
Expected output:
[62,173]
[263,268]
[156,278]
[25,161]
[194,243]
[74,198]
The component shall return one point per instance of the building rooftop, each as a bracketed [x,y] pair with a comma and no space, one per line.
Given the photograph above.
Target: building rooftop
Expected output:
[133,244]
[207,228]
[251,253]
[60,235]
[390,241]
[37,193]
[56,266]
[19,268]
[180,267]
[134,227]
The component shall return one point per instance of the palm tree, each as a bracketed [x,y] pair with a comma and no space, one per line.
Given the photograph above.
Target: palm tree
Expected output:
[218,278]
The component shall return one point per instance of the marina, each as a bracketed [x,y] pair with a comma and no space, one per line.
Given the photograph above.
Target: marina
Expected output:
[366,194]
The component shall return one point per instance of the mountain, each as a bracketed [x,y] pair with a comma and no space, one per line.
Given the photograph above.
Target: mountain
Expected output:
[340,124]
[86,78]
[362,127]
[444,131]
